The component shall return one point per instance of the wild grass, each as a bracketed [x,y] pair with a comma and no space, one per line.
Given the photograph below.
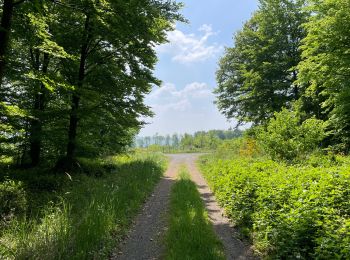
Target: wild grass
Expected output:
[83,215]
[190,234]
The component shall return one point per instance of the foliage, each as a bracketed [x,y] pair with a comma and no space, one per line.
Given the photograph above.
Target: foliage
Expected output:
[256,76]
[84,214]
[12,199]
[200,140]
[286,138]
[190,234]
[76,75]
[289,212]
[244,146]
[325,65]
[290,50]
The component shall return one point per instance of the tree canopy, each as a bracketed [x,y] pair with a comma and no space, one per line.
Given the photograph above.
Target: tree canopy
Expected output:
[292,54]
[75,73]
[325,68]
[257,76]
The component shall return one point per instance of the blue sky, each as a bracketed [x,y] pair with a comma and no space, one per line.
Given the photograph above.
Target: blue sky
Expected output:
[187,66]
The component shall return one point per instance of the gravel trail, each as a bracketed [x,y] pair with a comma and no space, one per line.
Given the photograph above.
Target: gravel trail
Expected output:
[234,247]
[145,239]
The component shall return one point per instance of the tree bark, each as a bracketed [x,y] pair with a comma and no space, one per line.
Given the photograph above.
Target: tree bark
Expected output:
[74,119]
[5,30]
[36,123]
[296,88]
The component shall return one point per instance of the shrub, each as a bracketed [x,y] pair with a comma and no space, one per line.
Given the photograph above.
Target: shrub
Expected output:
[289,212]
[12,199]
[229,148]
[288,139]
[243,146]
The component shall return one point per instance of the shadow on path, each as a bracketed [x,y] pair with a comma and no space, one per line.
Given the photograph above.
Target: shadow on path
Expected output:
[234,247]
[145,239]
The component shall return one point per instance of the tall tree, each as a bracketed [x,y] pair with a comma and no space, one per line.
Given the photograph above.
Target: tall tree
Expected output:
[78,74]
[147,141]
[27,78]
[257,76]
[116,54]
[5,29]
[8,7]
[325,68]
[43,50]
[175,140]
[11,116]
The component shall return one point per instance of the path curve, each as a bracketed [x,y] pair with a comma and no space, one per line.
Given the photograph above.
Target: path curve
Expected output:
[145,239]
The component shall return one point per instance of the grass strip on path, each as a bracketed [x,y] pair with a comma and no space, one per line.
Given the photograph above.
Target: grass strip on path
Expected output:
[190,234]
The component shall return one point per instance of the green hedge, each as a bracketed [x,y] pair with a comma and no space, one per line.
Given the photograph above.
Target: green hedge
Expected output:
[290,212]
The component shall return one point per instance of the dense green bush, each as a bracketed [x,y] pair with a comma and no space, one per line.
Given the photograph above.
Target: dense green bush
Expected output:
[243,146]
[229,148]
[290,212]
[12,199]
[286,138]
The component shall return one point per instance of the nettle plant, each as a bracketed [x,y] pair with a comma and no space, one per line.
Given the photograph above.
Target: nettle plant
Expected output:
[287,138]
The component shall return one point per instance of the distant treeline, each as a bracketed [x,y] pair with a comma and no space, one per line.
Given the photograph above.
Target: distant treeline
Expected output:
[198,140]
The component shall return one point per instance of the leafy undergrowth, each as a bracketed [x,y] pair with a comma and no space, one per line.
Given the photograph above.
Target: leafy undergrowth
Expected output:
[190,234]
[289,211]
[77,215]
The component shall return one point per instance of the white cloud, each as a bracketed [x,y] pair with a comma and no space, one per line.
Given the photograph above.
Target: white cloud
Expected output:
[197,90]
[164,91]
[169,98]
[179,106]
[188,109]
[192,90]
[189,48]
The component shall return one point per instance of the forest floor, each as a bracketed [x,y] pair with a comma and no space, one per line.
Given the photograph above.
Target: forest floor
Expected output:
[146,237]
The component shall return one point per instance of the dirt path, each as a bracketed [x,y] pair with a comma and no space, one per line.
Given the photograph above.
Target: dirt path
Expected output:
[234,248]
[145,238]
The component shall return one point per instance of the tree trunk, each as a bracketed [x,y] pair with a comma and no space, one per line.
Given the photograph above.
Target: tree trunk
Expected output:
[296,88]
[5,30]
[36,123]
[74,119]
[73,124]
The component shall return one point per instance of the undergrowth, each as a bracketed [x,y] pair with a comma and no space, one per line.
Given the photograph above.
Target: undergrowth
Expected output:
[79,215]
[290,211]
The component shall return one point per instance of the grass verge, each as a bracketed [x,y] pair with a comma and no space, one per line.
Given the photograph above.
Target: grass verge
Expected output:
[190,234]
[77,216]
